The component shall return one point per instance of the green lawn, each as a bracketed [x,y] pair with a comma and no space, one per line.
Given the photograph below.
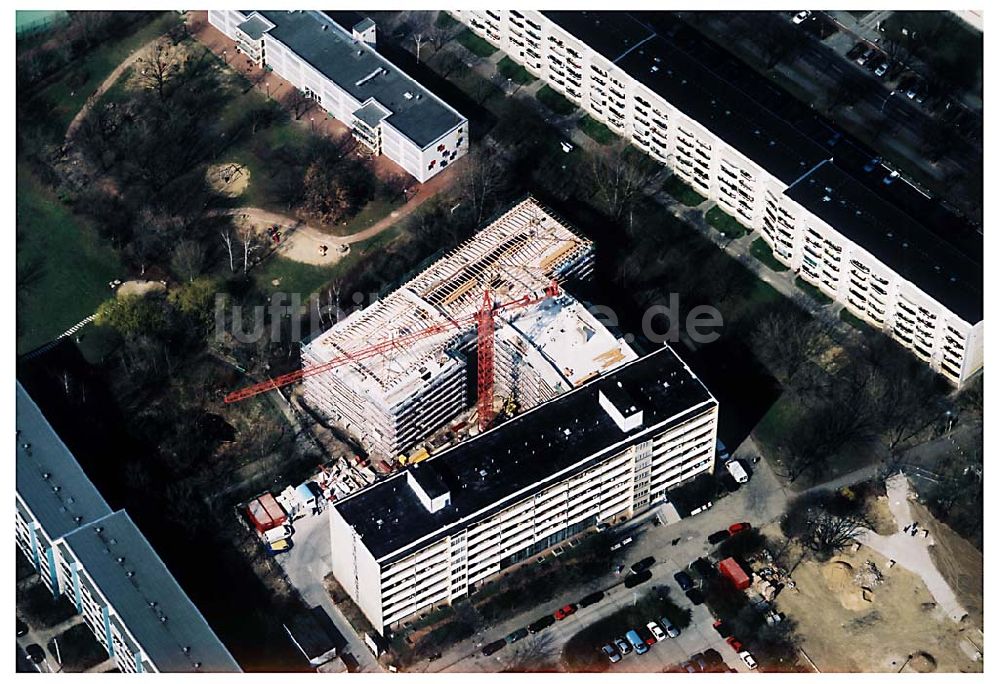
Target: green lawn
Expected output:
[777,422]
[852,320]
[812,291]
[475,44]
[682,192]
[370,214]
[726,224]
[762,253]
[444,21]
[597,131]
[92,69]
[554,101]
[63,266]
[513,71]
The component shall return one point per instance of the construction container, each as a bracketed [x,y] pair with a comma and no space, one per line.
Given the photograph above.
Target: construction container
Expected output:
[265,513]
[731,569]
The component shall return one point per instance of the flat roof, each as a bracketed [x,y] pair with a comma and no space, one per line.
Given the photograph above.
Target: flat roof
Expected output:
[529,452]
[49,479]
[363,73]
[892,237]
[720,106]
[146,597]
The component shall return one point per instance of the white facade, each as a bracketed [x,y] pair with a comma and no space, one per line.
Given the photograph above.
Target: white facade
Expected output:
[604,483]
[739,186]
[422,161]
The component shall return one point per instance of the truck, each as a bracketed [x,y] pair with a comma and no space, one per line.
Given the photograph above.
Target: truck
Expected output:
[732,571]
[737,471]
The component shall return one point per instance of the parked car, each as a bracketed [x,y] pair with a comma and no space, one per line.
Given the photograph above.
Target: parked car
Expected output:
[517,635]
[719,536]
[688,666]
[702,568]
[669,628]
[695,596]
[858,50]
[492,647]
[611,652]
[748,659]
[721,451]
[564,612]
[891,178]
[863,58]
[621,543]
[591,599]
[645,563]
[601,526]
[683,580]
[622,646]
[801,16]
[873,61]
[734,643]
[656,631]
[735,469]
[872,164]
[541,623]
[722,628]
[22,627]
[637,579]
[35,653]
[636,641]
[881,69]
[736,528]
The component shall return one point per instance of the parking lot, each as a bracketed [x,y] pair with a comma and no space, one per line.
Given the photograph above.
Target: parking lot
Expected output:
[759,501]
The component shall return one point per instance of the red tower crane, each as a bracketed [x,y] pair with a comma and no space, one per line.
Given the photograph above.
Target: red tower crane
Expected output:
[485,322]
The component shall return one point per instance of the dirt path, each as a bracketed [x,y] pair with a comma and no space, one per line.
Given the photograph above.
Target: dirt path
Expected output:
[301,241]
[103,88]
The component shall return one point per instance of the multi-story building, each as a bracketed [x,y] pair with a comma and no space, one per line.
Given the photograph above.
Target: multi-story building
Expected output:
[387,111]
[600,452]
[101,562]
[758,168]
[391,400]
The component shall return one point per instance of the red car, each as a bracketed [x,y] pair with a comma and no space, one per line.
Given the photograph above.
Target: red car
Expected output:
[734,642]
[564,612]
[736,528]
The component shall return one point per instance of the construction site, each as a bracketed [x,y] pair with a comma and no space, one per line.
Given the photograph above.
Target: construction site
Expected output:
[485,330]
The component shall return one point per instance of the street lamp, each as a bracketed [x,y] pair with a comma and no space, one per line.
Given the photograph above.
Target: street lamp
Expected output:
[312,126]
[225,58]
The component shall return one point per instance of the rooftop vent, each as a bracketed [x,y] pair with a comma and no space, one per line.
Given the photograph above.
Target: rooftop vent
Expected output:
[408,95]
[324,27]
[428,486]
[619,406]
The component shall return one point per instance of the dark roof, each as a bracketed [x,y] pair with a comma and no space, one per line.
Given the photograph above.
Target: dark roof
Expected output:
[611,34]
[254,27]
[131,576]
[720,106]
[892,237]
[526,454]
[335,53]
[429,480]
[49,480]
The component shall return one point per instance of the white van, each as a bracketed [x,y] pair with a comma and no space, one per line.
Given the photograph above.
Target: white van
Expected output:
[277,534]
[737,471]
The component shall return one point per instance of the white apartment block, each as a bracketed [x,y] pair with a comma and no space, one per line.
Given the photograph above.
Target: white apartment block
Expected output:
[387,111]
[601,452]
[101,562]
[391,400]
[747,160]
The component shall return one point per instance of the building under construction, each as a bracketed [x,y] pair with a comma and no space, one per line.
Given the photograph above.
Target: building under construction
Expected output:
[543,346]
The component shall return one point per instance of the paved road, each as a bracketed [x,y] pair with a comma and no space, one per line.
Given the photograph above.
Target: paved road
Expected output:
[309,561]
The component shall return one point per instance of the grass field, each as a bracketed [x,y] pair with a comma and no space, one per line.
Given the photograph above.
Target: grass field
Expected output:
[63,267]
[510,69]
[597,131]
[852,320]
[67,100]
[762,253]
[812,291]
[682,192]
[725,224]
[475,44]
[554,101]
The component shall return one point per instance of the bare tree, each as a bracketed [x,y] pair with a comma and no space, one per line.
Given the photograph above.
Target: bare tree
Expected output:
[845,93]
[420,29]
[481,179]
[158,66]
[188,259]
[249,240]
[824,522]
[227,240]
[298,102]
[621,176]
[777,41]
[786,344]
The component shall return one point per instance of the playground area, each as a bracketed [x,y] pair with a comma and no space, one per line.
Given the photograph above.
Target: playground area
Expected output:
[229,179]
